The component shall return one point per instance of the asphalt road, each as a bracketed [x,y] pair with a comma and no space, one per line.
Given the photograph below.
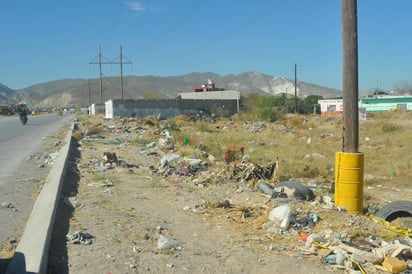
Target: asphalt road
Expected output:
[20,175]
[18,142]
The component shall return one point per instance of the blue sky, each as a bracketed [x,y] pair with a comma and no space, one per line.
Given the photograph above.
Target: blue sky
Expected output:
[48,40]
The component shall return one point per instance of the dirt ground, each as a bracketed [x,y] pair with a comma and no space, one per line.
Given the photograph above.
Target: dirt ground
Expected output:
[117,208]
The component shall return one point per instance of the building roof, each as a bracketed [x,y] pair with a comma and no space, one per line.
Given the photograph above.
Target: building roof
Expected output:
[386,99]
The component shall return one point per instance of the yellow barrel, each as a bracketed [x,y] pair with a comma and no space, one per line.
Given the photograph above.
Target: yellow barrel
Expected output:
[349,181]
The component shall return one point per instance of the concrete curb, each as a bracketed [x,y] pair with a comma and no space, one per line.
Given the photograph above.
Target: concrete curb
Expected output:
[32,251]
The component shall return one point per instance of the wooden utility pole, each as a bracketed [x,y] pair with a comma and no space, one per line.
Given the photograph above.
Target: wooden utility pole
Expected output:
[349,163]
[286,100]
[350,76]
[296,93]
[100,74]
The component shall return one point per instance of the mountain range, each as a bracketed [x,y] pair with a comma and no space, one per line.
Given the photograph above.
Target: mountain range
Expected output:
[81,92]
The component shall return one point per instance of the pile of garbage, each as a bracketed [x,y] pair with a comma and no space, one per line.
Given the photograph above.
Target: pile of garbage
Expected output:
[350,249]
[293,211]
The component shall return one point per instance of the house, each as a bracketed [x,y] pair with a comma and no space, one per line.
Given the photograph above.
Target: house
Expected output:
[367,104]
[331,106]
[385,103]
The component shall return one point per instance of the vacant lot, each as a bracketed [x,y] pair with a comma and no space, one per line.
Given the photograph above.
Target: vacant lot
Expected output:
[133,180]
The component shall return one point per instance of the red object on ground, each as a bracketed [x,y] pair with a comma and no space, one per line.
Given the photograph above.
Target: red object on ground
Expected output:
[234,153]
[303,236]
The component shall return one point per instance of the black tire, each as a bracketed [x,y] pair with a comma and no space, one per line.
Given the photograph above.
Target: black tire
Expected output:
[395,210]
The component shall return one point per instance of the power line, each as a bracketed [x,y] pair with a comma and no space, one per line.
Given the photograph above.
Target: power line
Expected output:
[224,35]
[179,21]
[100,63]
[195,4]
[245,23]
[114,24]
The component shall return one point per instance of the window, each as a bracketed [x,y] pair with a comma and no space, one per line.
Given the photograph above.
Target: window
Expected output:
[402,106]
[331,108]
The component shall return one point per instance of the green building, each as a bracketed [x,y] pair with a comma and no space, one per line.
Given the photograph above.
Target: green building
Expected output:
[385,103]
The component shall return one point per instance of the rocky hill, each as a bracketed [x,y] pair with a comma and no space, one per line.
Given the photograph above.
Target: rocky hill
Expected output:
[6,94]
[79,92]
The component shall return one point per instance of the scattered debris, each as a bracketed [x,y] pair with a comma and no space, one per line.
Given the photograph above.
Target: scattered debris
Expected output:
[243,172]
[299,211]
[71,202]
[110,157]
[395,210]
[166,243]
[294,189]
[168,160]
[79,237]
[7,205]
[234,153]
[11,244]
[283,215]
[51,158]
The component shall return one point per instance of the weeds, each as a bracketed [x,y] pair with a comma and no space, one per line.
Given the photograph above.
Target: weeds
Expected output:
[202,126]
[140,141]
[168,251]
[175,123]
[389,127]
[101,177]
[171,124]
[293,137]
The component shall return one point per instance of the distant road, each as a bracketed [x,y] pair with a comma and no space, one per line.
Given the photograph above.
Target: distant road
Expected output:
[18,142]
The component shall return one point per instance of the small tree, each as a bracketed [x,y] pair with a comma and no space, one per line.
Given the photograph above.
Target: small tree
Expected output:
[263,107]
[249,101]
[311,102]
[404,87]
[151,96]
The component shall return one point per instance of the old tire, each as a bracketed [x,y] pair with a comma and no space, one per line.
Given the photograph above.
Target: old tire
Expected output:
[395,210]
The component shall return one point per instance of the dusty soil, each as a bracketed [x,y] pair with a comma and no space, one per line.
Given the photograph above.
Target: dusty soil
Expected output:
[127,215]
[216,225]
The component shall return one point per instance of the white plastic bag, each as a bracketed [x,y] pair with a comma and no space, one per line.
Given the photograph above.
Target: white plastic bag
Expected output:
[283,214]
[165,243]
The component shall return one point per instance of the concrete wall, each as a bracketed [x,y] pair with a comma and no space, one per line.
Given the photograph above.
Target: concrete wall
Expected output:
[166,108]
[211,95]
[97,109]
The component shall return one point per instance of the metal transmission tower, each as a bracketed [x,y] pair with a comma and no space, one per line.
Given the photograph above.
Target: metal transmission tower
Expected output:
[100,63]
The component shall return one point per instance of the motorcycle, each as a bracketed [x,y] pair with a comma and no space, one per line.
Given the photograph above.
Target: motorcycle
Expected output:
[23,118]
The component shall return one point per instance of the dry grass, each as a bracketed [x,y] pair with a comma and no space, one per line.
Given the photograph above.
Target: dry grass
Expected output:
[306,146]
[385,140]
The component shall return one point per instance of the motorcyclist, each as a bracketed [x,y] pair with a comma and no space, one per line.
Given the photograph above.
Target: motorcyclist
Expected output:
[22,110]
[22,113]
